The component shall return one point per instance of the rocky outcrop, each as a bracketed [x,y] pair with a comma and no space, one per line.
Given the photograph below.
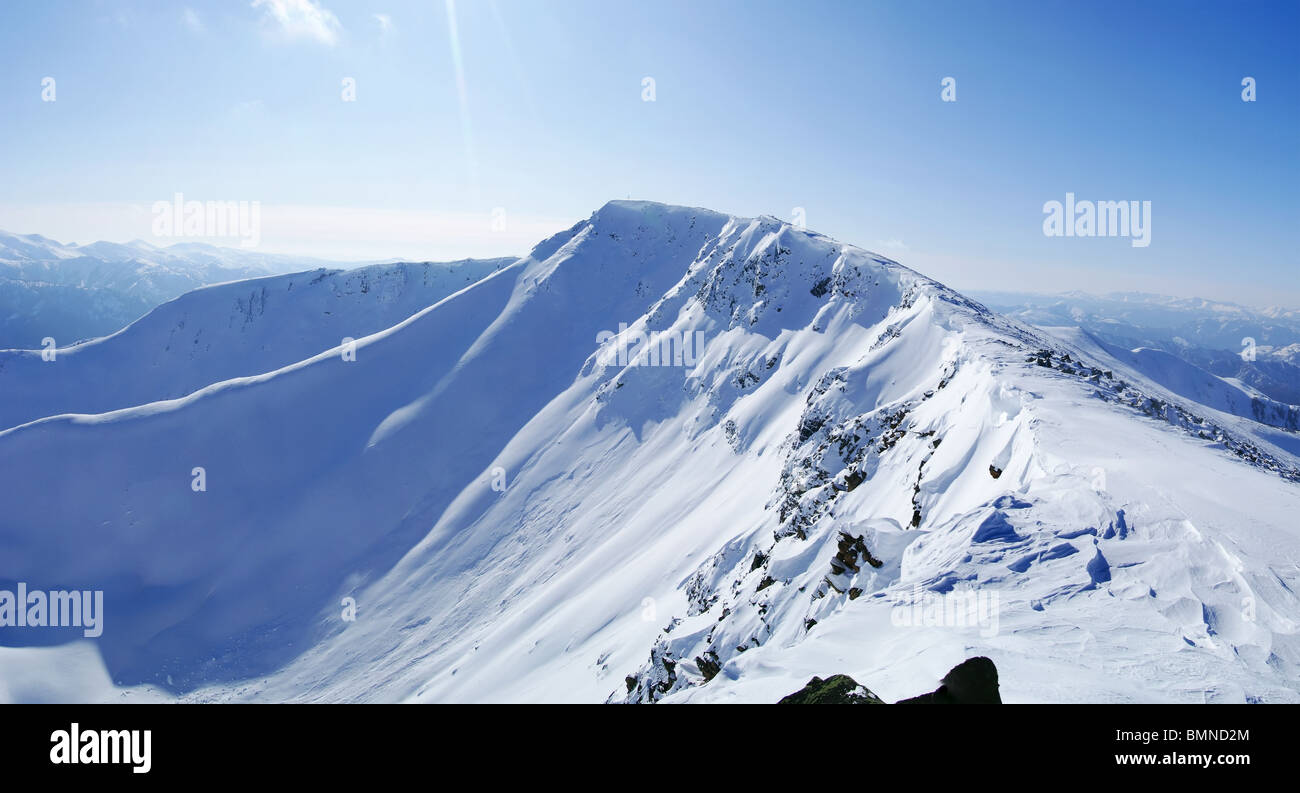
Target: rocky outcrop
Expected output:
[972,682]
[836,690]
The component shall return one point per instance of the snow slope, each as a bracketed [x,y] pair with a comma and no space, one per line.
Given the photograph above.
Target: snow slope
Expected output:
[70,292]
[1209,335]
[852,439]
[222,332]
[1186,380]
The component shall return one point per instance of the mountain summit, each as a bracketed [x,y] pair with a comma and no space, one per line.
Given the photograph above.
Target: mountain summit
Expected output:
[671,455]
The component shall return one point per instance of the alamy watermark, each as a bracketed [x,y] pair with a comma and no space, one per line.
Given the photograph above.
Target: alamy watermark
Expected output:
[94,747]
[638,348]
[57,608]
[181,218]
[960,608]
[1099,219]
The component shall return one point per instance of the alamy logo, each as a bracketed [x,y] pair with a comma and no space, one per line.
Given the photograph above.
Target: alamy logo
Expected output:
[181,218]
[1099,219]
[92,747]
[57,608]
[637,348]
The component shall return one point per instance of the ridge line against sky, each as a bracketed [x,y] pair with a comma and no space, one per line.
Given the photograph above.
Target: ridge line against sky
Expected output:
[505,121]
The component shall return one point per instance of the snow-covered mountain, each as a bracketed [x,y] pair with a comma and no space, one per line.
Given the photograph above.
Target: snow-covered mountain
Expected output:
[223,332]
[1187,380]
[71,292]
[671,455]
[1252,347]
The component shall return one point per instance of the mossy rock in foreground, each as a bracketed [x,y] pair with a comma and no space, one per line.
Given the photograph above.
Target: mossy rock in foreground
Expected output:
[972,682]
[837,690]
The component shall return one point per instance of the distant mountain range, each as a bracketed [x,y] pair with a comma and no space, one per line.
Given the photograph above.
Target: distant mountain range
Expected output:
[1211,335]
[72,292]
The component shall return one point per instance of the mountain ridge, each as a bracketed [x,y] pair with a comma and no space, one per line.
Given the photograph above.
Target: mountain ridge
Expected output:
[224,331]
[852,437]
[67,292]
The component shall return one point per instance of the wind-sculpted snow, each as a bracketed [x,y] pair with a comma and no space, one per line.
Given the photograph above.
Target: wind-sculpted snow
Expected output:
[670,456]
[841,545]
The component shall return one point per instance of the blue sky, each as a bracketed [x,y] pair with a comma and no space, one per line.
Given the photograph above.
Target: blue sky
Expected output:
[760,107]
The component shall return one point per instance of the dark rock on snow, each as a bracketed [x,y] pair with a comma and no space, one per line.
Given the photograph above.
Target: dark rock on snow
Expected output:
[837,690]
[972,682]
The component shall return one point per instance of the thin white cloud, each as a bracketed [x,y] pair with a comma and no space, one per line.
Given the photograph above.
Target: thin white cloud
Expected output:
[301,19]
[246,108]
[385,24]
[192,21]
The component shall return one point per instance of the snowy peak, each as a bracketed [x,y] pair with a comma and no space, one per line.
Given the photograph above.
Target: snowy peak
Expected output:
[743,272]
[671,455]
